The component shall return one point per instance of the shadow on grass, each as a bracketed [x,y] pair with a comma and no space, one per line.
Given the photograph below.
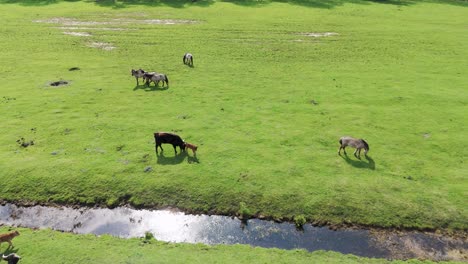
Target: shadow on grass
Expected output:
[177,159]
[251,3]
[9,250]
[149,88]
[370,164]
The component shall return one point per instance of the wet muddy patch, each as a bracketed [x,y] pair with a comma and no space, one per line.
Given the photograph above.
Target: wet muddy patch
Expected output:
[175,226]
[58,83]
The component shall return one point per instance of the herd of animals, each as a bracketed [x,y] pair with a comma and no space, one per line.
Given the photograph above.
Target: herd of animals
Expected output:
[176,141]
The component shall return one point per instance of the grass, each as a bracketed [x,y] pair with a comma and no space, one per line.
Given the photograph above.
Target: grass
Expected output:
[265,104]
[46,246]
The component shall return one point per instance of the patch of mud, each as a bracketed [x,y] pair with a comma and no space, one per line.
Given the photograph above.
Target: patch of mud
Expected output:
[176,226]
[318,35]
[101,45]
[78,34]
[59,83]
[25,143]
[422,245]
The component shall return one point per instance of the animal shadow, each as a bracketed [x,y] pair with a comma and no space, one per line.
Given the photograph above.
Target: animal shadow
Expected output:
[177,159]
[149,88]
[192,159]
[370,164]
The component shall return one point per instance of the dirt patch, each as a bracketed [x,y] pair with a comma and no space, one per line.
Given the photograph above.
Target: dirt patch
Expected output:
[318,34]
[101,45]
[58,83]
[25,143]
[78,34]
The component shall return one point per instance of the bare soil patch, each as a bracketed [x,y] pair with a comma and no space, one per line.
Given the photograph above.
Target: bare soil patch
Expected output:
[59,83]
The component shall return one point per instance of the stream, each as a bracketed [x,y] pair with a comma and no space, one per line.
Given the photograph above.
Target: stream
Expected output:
[175,226]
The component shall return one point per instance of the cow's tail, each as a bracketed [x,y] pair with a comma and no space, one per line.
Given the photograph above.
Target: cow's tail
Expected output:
[183,59]
[167,80]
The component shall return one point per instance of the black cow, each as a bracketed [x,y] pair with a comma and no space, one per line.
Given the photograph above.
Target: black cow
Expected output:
[168,138]
[12,258]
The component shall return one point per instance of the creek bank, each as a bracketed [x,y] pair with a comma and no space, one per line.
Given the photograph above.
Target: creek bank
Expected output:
[175,226]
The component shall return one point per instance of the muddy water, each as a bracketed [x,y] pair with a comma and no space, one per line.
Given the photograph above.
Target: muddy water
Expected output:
[173,226]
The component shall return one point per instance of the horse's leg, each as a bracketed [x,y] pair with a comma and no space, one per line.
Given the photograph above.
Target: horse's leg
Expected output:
[175,150]
[339,151]
[355,152]
[344,150]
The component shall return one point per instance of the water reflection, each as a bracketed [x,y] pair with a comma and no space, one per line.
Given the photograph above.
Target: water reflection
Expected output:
[173,226]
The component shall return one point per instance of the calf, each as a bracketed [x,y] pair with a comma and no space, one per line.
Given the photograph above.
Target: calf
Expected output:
[192,147]
[168,138]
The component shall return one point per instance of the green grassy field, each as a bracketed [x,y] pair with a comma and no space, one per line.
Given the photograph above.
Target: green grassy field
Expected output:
[45,246]
[265,103]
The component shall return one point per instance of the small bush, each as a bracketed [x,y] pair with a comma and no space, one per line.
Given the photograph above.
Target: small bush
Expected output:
[244,212]
[299,220]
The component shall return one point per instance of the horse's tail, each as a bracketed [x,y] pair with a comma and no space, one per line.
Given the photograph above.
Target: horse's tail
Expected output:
[366,146]
[183,59]
[341,142]
[167,79]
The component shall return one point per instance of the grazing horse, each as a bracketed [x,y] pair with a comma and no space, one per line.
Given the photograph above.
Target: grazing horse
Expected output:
[156,78]
[192,147]
[168,138]
[188,59]
[355,143]
[138,74]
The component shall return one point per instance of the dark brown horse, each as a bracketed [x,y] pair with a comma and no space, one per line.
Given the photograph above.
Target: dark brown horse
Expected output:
[355,143]
[168,138]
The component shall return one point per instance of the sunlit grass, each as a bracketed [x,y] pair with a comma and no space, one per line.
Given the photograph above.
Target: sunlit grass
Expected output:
[265,103]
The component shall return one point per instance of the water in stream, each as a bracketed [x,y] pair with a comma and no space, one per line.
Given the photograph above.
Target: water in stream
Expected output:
[174,226]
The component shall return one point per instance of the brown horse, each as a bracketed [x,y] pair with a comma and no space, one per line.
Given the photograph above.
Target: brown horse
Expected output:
[355,143]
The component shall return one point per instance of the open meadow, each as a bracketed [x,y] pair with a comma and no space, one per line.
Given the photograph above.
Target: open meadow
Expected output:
[274,86]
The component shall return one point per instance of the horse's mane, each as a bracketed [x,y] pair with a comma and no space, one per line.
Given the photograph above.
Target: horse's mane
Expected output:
[365,144]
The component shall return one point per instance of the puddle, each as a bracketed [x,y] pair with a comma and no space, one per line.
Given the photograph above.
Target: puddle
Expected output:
[174,226]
